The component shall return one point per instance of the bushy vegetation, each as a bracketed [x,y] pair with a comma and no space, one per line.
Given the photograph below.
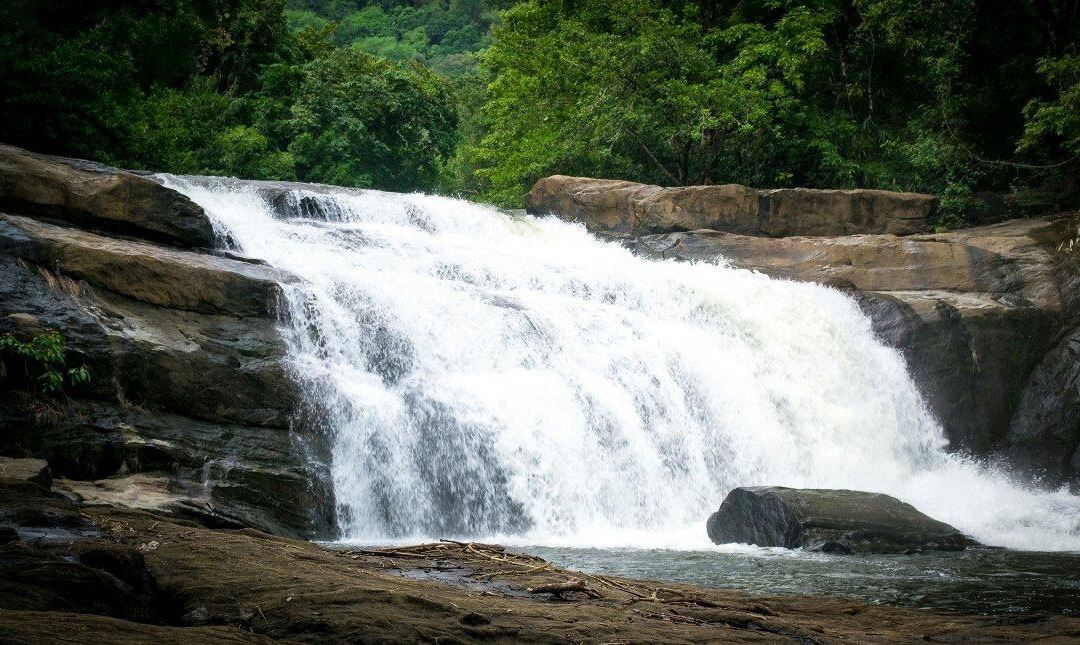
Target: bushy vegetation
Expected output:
[443,35]
[41,361]
[483,97]
[216,87]
[944,96]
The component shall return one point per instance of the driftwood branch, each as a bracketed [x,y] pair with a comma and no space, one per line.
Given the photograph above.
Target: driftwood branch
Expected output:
[559,588]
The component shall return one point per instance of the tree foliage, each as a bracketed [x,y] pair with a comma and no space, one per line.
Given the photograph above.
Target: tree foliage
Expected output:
[215,87]
[441,34]
[940,96]
[365,121]
[483,97]
[1058,118]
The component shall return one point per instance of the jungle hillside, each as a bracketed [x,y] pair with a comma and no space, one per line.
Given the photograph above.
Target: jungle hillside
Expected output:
[480,98]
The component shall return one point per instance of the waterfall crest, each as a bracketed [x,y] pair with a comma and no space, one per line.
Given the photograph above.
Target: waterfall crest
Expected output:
[488,375]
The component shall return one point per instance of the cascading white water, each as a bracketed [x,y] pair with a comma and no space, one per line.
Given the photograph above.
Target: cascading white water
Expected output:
[509,377]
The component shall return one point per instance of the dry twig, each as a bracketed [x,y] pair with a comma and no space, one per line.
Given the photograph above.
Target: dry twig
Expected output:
[571,585]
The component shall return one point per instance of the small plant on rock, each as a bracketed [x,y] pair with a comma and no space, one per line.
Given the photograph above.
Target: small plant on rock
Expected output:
[43,360]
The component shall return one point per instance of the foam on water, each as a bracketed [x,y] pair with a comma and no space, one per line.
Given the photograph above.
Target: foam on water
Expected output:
[509,377]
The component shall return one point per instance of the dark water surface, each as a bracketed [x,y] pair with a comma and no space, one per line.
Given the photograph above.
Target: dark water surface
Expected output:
[980,581]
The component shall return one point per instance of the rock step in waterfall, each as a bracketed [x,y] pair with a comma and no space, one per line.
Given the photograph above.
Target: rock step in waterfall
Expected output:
[456,370]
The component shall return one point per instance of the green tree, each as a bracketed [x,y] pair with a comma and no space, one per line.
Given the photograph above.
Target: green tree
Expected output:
[362,121]
[831,93]
[630,88]
[1056,120]
[219,87]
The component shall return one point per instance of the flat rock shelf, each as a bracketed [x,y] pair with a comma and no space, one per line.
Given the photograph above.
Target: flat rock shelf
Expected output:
[134,576]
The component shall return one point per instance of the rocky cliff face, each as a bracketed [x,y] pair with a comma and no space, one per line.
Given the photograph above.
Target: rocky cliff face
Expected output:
[987,317]
[190,409]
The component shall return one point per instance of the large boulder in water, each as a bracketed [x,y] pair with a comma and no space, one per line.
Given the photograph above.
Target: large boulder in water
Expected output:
[845,521]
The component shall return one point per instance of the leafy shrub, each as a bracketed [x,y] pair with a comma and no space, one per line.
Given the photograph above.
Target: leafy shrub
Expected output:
[43,361]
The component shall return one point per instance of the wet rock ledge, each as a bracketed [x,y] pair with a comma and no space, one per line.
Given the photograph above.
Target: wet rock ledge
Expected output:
[190,411]
[624,208]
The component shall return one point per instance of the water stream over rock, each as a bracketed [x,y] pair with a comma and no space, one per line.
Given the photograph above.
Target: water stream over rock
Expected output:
[505,377]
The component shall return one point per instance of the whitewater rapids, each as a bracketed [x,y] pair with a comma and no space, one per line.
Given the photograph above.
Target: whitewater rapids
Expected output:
[496,376]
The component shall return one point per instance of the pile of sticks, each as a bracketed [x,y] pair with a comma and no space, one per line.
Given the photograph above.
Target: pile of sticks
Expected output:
[518,564]
[460,551]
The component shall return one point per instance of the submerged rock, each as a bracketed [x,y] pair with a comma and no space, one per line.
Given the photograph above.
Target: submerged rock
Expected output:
[842,521]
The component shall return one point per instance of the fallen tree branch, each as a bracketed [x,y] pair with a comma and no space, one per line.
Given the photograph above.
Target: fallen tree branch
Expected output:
[516,572]
[618,586]
[571,585]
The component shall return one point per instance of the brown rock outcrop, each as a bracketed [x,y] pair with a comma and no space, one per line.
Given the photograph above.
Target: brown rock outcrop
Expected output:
[35,471]
[629,209]
[145,272]
[96,196]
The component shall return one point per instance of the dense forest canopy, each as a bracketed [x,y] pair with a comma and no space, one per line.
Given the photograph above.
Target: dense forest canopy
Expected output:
[945,96]
[483,97]
[217,87]
[444,36]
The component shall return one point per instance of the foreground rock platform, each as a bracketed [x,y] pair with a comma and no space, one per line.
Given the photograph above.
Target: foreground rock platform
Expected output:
[148,578]
[837,521]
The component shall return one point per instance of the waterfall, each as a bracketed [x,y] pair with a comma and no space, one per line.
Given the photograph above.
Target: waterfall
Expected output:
[500,376]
